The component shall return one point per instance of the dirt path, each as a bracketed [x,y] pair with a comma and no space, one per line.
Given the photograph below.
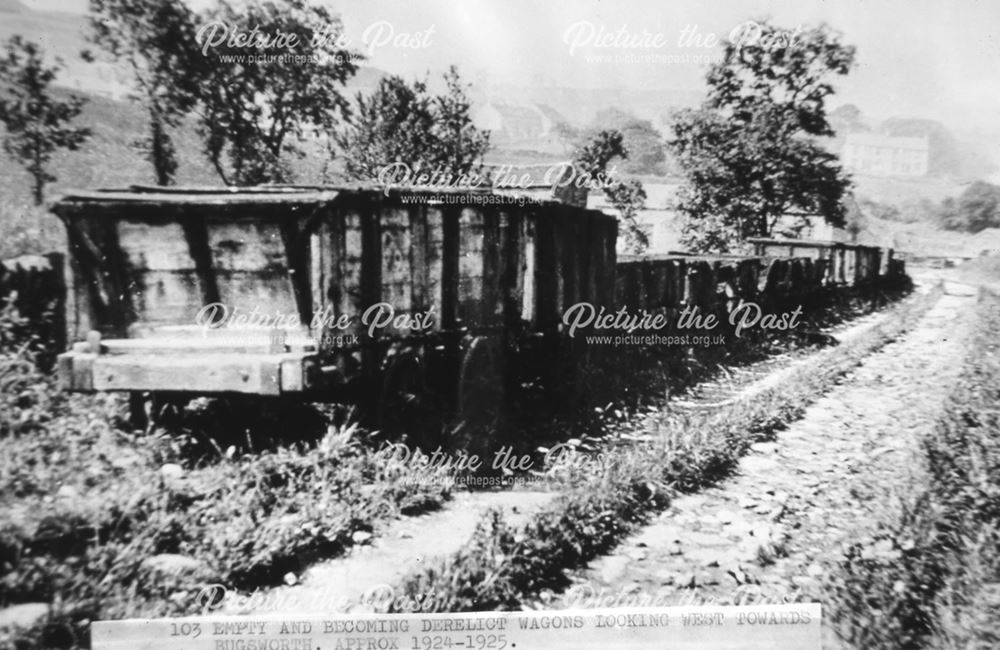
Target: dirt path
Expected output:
[369,570]
[743,383]
[775,528]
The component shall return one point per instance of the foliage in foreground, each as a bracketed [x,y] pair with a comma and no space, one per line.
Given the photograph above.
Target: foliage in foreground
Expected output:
[929,576]
[84,518]
[101,522]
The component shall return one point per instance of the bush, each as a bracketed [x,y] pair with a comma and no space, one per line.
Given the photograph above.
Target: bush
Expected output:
[26,402]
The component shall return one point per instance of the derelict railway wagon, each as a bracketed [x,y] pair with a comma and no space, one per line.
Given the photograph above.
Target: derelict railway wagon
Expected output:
[400,301]
[783,274]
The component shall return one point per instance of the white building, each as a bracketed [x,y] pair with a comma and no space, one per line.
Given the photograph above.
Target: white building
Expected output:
[521,126]
[883,155]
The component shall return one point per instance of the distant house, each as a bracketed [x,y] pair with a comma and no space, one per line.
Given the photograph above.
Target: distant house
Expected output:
[884,155]
[521,126]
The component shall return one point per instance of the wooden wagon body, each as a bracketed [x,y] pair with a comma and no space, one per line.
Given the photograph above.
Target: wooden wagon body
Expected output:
[781,271]
[328,293]
[847,264]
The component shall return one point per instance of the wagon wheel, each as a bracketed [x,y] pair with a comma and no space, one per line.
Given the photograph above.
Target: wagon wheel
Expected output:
[407,407]
[148,410]
[584,373]
[480,394]
[138,412]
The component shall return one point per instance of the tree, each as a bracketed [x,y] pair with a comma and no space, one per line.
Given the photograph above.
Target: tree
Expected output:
[268,74]
[392,125]
[643,142]
[592,164]
[156,40]
[460,146]
[647,154]
[403,122]
[36,121]
[976,209]
[847,118]
[749,154]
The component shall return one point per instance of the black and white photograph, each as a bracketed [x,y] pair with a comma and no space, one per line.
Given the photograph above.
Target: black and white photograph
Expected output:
[499,324]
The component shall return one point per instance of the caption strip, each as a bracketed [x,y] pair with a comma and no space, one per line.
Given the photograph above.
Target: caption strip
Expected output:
[780,627]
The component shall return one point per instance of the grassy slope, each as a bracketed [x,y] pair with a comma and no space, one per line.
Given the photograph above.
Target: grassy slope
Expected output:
[109,159]
[928,577]
[897,191]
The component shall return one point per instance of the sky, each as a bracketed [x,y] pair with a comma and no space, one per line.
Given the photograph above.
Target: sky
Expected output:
[925,58]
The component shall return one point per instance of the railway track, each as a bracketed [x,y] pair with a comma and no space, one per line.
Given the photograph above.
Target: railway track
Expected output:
[773,531]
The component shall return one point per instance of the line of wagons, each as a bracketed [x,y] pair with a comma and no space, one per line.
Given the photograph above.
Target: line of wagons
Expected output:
[408,303]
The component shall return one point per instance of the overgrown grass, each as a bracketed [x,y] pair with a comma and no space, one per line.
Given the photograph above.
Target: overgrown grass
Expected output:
[245,522]
[102,522]
[612,492]
[26,229]
[930,575]
[617,382]
[86,506]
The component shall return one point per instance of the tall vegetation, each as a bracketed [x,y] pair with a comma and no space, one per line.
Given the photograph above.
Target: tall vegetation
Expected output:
[749,153]
[253,107]
[37,121]
[592,163]
[647,150]
[153,40]
[976,209]
[259,77]
[403,123]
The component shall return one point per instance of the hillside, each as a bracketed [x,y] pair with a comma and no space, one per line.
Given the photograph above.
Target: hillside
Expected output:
[110,158]
[900,190]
